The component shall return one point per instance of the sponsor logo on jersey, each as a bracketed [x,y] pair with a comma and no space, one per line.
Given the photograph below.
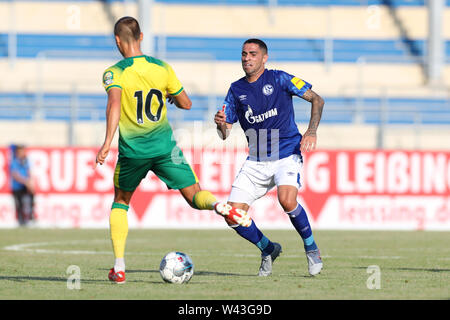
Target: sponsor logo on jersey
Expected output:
[267,89]
[242,97]
[260,117]
[108,78]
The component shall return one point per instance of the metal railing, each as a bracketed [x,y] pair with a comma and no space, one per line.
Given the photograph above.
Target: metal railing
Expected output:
[73,107]
[382,111]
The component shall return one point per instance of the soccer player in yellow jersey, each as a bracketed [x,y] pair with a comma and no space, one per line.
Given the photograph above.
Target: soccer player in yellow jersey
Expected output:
[137,87]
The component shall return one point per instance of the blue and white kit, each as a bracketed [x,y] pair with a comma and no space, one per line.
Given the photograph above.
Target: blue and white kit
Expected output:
[265,112]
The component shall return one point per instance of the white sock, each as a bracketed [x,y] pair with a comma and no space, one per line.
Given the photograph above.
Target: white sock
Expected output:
[119,265]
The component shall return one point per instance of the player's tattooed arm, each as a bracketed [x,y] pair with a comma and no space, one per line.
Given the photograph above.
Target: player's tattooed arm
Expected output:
[316,109]
[310,136]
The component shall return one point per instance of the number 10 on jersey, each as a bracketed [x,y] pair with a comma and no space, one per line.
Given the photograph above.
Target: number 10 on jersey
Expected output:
[148,102]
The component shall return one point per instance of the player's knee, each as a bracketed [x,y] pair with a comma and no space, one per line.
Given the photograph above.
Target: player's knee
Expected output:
[122,196]
[288,204]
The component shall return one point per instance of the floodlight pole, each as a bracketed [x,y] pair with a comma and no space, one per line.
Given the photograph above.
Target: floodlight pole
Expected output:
[272,5]
[435,44]
[12,35]
[145,9]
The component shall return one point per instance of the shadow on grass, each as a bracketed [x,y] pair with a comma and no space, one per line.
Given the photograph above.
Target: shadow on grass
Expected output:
[410,269]
[51,279]
[197,273]
[420,269]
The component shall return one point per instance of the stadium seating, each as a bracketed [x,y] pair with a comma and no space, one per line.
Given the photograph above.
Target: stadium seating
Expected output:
[308,2]
[281,49]
[339,109]
[349,61]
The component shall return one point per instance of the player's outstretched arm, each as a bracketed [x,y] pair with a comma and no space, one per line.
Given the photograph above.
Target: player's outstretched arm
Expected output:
[112,121]
[309,139]
[223,128]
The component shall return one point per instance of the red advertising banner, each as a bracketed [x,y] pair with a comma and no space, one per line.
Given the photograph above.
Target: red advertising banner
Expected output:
[341,189]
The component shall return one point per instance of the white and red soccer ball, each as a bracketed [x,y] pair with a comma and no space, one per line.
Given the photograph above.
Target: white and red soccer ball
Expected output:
[176,267]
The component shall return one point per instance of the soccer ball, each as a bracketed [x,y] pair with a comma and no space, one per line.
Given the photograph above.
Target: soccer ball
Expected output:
[176,267]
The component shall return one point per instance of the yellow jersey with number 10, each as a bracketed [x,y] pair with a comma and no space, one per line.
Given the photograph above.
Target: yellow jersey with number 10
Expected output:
[144,131]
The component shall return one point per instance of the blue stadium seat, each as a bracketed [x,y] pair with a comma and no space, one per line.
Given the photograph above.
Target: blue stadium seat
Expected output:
[22,106]
[280,49]
[338,109]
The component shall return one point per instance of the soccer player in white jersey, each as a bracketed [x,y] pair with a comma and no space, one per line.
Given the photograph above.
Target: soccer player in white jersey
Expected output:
[262,103]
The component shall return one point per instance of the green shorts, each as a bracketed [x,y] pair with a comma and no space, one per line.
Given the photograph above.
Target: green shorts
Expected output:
[175,172]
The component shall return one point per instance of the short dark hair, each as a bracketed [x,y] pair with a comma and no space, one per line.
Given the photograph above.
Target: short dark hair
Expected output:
[259,42]
[17,147]
[127,28]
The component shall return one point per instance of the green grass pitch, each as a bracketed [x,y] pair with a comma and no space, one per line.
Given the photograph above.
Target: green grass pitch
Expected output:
[413,265]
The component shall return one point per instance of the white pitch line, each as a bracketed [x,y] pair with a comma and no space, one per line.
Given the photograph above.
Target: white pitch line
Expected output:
[380,257]
[28,247]
[31,248]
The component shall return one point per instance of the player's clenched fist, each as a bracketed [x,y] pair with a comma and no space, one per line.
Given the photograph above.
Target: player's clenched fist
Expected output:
[308,142]
[101,155]
[220,117]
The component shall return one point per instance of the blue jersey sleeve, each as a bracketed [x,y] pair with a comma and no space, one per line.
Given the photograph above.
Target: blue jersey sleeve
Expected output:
[230,107]
[292,84]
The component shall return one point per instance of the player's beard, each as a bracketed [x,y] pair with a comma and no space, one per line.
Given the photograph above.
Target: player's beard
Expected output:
[253,70]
